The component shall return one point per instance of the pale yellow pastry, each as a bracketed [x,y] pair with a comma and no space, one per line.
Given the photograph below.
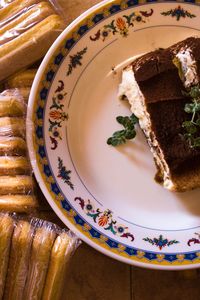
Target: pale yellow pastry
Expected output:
[21,93]
[22,79]
[11,107]
[30,46]
[12,146]
[18,203]
[10,11]
[24,21]
[6,231]
[39,260]
[20,184]
[60,256]
[12,127]
[14,165]
[19,261]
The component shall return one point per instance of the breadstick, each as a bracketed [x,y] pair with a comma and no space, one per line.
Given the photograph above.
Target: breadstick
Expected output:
[24,21]
[5,3]
[18,203]
[6,230]
[13,165]
[11,107]
[29,46]
[20,184]
[12,146]
[15,8]
[22,79]
[21,93]
[60,254]
[12,127]
[40,255]
[19,260]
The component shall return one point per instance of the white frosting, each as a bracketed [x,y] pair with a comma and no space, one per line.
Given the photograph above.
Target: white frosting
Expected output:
[130,88]
[188,66]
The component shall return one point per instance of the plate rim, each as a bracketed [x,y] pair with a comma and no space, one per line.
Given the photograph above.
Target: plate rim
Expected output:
[33,156]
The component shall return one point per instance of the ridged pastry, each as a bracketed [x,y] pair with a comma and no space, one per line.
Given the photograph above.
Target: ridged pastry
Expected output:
[6,231]
[18,203]
[12,127]
[24,21]
[12,146]
[19,261]
[11,107]
[40,256]
[30,46]
[60,256]
[21,93]
[14,165]
[22,79]
[10,11]
[20,184]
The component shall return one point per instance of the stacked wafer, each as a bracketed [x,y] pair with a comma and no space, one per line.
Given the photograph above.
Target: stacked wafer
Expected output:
[16,182]
[27,30]
[34,257]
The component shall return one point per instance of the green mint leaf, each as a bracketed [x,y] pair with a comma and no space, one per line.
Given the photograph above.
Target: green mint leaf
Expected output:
[128,133]
[190,108]
[197,107]
[134,119]
[120,120]
[194,92]
[198,122]
[189,127]
[196,142]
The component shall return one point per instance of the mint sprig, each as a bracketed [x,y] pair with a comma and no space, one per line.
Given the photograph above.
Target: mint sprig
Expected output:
[128,133]
[192,127]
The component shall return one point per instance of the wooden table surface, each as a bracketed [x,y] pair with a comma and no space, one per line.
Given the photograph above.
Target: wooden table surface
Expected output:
[93,276]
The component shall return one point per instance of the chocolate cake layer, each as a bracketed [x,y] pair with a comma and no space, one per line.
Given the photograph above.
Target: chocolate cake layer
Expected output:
[154,88]
[166,120]
[162,87]
[161,60]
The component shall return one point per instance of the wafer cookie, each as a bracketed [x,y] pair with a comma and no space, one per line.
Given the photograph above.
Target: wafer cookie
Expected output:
[6,231]
[19,260]
[18,203]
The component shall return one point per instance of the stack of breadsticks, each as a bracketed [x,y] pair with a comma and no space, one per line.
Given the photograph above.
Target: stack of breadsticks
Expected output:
[27,30]
[16,181]
[34,254]
[34,257]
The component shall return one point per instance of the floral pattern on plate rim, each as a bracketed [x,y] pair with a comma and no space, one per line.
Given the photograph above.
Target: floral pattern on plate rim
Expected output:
[146,256]
[104,219]
[57,115]
[160,242]
[121,25]
[178,13]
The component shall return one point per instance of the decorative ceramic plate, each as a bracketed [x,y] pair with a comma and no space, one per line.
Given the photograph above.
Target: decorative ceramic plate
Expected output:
[108,195]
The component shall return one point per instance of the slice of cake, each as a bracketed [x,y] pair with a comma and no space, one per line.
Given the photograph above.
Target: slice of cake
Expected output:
[153,85]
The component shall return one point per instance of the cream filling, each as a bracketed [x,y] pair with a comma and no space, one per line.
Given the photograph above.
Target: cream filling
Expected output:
[188,66]
[131,90]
